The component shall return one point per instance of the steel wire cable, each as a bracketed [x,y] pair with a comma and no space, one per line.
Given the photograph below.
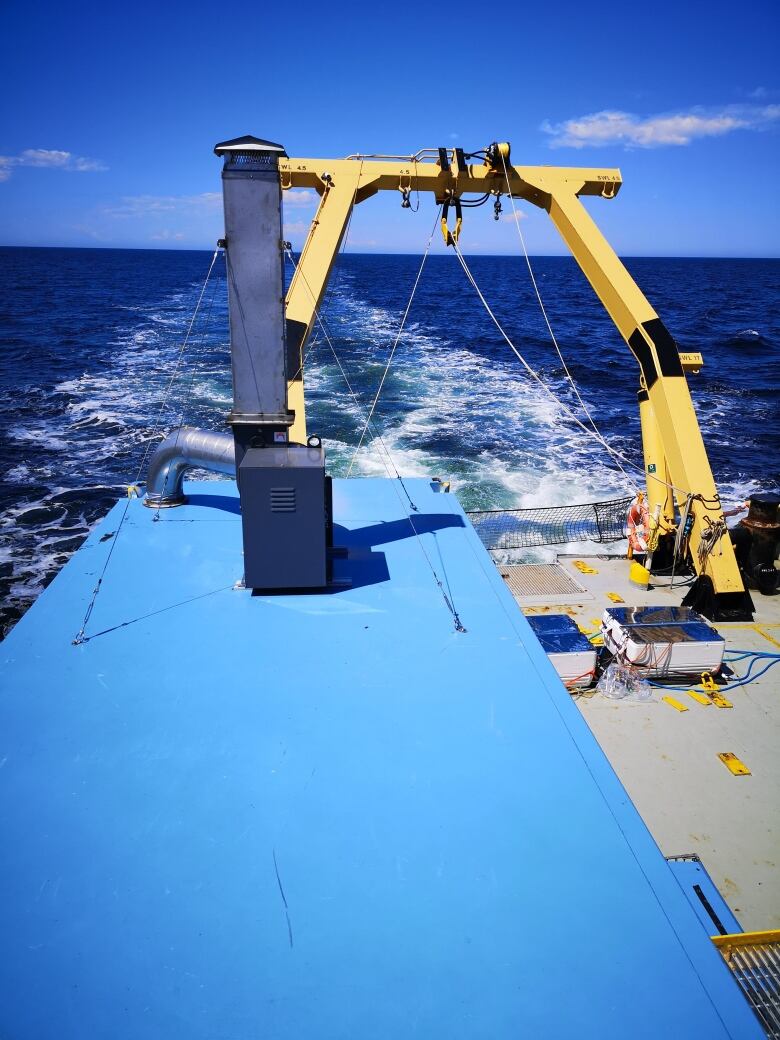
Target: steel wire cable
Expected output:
[553,337]
[81,636]
[332,282]
[187,391]
[389,462]
[395,343]
[617,456]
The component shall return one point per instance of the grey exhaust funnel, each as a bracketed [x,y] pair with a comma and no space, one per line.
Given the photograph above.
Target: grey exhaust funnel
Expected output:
[254,256]
[283,488]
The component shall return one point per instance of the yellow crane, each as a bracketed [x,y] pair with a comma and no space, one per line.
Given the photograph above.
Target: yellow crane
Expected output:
[677,468]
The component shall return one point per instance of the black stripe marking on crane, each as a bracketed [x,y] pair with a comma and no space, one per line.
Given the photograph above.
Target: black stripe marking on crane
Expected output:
[666,350]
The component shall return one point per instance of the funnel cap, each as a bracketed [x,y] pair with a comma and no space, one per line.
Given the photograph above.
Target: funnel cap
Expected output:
[247,145]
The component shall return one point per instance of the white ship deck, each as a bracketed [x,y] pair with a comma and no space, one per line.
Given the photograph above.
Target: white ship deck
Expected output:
[668,760]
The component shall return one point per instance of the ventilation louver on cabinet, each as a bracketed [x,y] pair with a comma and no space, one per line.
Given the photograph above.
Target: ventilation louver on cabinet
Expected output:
[283,500]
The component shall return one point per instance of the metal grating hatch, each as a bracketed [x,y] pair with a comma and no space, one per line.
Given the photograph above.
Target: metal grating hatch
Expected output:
[537,584]
[754,958]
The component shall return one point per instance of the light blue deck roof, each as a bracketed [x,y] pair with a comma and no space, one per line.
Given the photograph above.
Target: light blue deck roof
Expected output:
[326,816]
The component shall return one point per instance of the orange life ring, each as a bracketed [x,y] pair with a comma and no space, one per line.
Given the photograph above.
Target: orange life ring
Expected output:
[638,524]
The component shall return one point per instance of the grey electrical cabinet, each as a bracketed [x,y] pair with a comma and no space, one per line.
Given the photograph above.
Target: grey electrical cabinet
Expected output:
[284,513]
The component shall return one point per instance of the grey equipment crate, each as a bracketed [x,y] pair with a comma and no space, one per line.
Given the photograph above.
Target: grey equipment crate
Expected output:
[284,512]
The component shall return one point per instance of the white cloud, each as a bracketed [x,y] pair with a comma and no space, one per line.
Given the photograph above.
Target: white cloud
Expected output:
[509,218]
[299,198]
[89,232]
[677,128]
[48,158]
[297,227]
[203,204]
[146,205]
[167,220]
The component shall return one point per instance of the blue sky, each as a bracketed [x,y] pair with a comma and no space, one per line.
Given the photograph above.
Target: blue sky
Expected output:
[111,113]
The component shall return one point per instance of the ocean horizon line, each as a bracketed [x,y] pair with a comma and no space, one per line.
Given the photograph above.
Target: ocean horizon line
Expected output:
[356,252]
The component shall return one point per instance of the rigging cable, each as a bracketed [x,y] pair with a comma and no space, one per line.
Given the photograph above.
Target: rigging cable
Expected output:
[395,344]
[543,309]
[617,456]
[81,636]
[177,366]
[359,404]
[333,283]
[707,503]
[653,476]
[186,392]
[320,318]
[389,462]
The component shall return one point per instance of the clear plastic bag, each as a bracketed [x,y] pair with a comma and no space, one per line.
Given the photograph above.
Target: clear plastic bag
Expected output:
[621,682]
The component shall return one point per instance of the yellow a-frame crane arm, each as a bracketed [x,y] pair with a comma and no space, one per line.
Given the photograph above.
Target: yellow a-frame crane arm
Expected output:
[676,462]
[343,183]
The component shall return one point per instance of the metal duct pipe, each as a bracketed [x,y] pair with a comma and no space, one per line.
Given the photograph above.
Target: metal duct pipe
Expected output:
[181,450]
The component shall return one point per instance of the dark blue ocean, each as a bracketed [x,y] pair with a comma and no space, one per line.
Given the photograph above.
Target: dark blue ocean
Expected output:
[89,340]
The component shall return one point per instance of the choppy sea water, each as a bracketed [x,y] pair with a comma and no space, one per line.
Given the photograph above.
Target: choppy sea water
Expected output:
[89,340]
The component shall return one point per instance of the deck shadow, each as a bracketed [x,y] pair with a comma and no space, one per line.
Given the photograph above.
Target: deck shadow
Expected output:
[395,530]
[225,503]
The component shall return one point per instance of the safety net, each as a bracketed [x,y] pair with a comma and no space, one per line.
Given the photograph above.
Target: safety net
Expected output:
[551,525]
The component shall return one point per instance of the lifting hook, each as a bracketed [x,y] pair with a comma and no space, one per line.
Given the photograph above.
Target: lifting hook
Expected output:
[451,237]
